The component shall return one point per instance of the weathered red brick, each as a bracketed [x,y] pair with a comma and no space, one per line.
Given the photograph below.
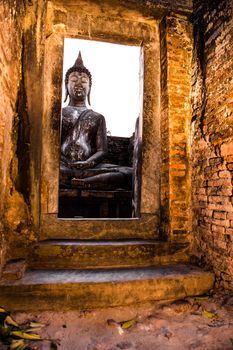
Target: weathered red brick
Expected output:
[225,174]
[219,199]
[227,149]
[218,229]
[221,207]
[225,191]
[225,223]
[202,198]
[230,216]
[219,215]
[212,191]
[220,182]
[201,190]
[207,212]
[215,161]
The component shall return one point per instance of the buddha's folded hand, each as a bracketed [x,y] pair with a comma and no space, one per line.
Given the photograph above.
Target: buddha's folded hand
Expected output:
[81,165]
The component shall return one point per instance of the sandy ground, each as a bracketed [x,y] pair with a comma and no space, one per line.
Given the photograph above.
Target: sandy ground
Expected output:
[202,324]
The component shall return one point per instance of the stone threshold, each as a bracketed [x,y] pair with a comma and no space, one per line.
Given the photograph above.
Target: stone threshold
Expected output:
[91,289]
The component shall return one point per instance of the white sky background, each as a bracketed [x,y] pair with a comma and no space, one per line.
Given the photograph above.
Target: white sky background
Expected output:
[115,81]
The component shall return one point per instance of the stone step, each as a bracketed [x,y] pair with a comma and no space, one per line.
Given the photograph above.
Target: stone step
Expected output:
[76,254]
[90,289]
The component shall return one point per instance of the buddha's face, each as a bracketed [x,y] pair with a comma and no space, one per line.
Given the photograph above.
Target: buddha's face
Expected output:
[78,85]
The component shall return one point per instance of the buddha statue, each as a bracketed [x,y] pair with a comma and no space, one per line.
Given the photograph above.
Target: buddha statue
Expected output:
[84,139]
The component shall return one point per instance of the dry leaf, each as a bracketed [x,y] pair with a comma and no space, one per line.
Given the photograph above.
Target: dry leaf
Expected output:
[209,314]
[201,298]
[18,344]
[25,335]
[36,324]
[9,320]
[127,324]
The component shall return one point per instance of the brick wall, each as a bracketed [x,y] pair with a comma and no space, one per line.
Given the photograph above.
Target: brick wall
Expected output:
[212,137]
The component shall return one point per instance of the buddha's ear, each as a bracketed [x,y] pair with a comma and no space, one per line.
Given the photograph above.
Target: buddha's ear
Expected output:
[89,97]
[66,94]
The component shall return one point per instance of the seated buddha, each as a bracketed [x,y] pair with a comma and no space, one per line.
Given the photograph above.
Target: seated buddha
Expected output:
[84,139]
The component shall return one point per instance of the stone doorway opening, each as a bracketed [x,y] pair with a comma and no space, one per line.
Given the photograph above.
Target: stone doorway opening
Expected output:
[101,131]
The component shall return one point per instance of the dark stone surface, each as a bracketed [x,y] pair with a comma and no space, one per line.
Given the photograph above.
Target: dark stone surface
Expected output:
[119,150]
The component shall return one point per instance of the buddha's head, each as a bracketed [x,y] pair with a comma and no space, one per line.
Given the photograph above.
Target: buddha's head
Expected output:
[78,80]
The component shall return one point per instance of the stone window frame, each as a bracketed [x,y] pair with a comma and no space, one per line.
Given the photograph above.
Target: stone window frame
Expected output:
[131,28]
